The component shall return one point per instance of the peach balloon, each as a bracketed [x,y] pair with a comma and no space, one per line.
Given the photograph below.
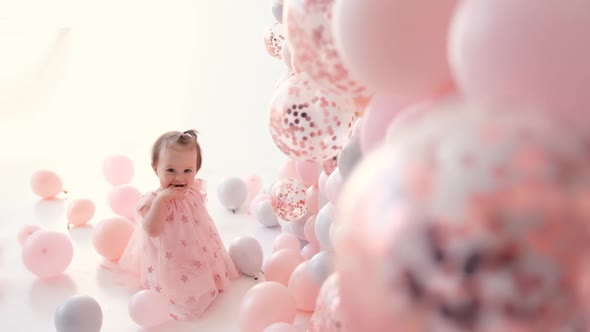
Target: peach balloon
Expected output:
[397,46]
[309,251]
[288,170]
[122,200]
[110,237]
[265,304]
[46,184]
[309,231]
[304,290]
[47,253]
[280,327]
[286,241]
[308,172]
[26,231]
[312,199]
[149,308]
[281,264]
[254,186]
[80,211]
[118,169]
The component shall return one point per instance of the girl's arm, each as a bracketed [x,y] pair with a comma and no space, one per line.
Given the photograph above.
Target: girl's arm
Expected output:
[155,214]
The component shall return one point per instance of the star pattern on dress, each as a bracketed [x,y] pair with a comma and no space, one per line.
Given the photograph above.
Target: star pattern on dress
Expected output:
[183,243]
[168,255]
[150,269]
[184,219]
[204,249]
[158,288]
[215,254]
[184,278]
[213,292]
[197,263]
[172,301]
[170,217]
[191,299]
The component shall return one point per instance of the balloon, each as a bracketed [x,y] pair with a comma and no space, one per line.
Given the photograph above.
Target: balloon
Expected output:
[492,204]
[118,170]
[286,55]
[232,193]
[307,171]
[281,264]
[286,241]
[264,304]
[79,313]
[254,185]
[46,184]
[110,237]
[523,52]
[304,290]
[310,231]
[149,308]
[288,199]
[333,186]
[288,170]
[309,251]
[26,231]
[274,39]
[47,253]
[280,327]
[80,211]
[329,165]
[246,253]
[308,122]
[323,221]
[320,267]
[265,214]
[309,36]
[322,182]
[328,316]
[312,199]
[356,127]
[277,11]
[257,199]
[349,157]
[396,46]
[285,77]
[122,200]
[296,227]
[379,116]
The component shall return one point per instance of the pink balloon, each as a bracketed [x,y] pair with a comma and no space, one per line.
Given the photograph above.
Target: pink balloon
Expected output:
[334,186]
[110,237]
[118,169]
[122,200]
[328,316]
[288,199]
[26,231]
[254,185]
[288,170]
[274,39]
[525,52]
[307,171]
[356,127]
[264,304]
[309,36]
[308,122]
[312,199]
[46,184]
[80,211]
[47,253]
[397,46]
[281,264]
[304,290]
[280,327]
[379,116]
[286,241]
[322,182]
[149,308]
[286,55]
[309,251]
[257,199]
[310,231]
[329,165]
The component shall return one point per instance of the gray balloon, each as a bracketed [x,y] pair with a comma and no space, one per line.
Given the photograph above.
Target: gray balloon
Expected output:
[277,10]
[323,221]
[265,215]
[320,266]
[232,193]
[78,313]
[349,157]
[246,253]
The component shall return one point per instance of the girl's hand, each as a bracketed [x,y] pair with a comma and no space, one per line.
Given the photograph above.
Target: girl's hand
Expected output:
[170,193]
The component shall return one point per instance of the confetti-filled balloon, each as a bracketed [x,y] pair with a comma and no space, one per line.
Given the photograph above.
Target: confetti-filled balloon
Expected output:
[308,122]
[274,39]
[328,316]
[288,199]
[329,165]
[309,36]
[478,229]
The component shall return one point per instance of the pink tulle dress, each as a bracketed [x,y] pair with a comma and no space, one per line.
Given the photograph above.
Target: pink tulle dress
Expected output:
[188,262]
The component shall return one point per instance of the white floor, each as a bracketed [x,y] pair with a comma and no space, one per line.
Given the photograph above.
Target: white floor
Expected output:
[124,72]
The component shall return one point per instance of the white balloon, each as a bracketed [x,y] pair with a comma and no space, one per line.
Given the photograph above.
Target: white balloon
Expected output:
[265,215]
[79,313]
[232,193]
[246,253]
[320,266]
[323,222]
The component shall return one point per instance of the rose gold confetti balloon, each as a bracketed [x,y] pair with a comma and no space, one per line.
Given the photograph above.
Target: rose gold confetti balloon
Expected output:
[288,199]
[309,36]
[274,39]
[469,219]
[308,122]
[328,315]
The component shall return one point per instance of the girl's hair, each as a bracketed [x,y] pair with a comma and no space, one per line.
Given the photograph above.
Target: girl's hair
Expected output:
[187,139]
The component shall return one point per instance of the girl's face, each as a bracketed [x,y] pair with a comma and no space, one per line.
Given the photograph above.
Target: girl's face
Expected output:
[177,166]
